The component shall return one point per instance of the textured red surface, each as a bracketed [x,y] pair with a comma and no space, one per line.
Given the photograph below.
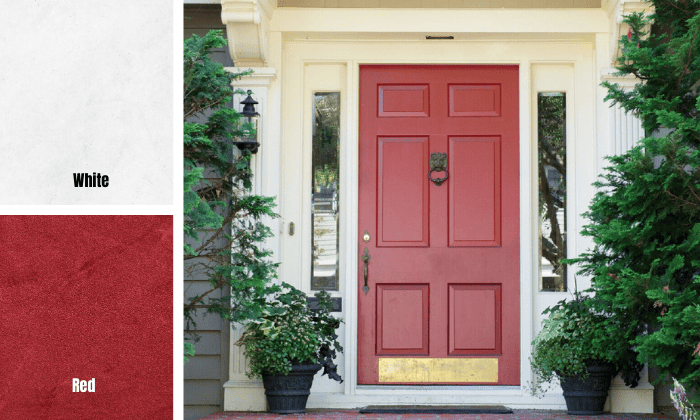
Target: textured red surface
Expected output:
[353,414]
[86,297]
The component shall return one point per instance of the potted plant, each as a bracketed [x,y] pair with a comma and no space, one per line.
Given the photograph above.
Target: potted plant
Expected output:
[584,349]
[288,344]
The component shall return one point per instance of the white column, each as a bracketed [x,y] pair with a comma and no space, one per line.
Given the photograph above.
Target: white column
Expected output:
[625,130]
[240,392]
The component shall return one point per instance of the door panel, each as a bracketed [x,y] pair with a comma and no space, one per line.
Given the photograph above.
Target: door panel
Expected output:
[403,101]
[402,191]
[475,196]
[475,319]
[475,100]
[442,300]
[402,318]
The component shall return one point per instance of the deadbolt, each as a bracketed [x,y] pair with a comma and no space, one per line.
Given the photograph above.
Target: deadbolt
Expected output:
[366,237]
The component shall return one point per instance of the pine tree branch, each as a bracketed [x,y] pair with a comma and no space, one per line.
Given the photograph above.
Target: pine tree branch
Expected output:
[189,306]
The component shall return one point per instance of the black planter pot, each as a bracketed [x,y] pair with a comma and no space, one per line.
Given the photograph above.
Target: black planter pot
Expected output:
[588,396]
[288,394]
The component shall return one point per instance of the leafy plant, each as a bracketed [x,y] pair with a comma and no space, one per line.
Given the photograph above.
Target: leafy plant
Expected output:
[189,351]
[645,217]
[289,333]
[680,401]
[223,221]
[573,336]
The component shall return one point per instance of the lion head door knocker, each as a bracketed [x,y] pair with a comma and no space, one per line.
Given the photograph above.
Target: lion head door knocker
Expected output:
[438,163]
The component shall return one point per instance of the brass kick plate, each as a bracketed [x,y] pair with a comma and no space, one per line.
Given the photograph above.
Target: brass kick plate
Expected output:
[438,370]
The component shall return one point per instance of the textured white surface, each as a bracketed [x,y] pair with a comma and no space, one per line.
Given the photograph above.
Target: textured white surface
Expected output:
[86,86]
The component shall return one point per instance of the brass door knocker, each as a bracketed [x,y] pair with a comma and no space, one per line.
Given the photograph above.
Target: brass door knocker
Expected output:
[438,163]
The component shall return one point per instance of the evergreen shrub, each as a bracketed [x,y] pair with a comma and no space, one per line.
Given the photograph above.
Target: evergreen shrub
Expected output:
[645,217]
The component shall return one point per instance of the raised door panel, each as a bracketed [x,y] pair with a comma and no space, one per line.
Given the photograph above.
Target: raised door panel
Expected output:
[475,100]
[402,319]
[403,192]
[403,101]
[475,191]
[474,319]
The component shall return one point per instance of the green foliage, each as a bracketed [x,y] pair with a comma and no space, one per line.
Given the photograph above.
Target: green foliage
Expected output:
[189,351]
[326,145]
[288,332]
[223,221]
[645,217]
[575,335]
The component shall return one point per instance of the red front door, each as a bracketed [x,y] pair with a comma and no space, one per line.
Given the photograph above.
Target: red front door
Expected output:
[443,299]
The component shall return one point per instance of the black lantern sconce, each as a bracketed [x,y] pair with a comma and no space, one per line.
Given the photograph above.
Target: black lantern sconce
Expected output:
[249,143]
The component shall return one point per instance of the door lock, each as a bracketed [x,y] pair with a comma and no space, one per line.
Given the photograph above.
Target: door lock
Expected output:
[366,237]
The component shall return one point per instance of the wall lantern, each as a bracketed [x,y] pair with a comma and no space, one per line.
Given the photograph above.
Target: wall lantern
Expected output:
[249,143]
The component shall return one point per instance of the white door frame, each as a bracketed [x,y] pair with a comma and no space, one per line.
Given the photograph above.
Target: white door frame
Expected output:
[301,55]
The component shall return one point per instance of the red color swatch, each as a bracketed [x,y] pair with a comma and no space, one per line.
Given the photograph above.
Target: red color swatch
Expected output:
[86,297]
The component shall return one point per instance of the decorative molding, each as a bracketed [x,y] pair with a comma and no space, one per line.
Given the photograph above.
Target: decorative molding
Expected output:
[610,75]
[261,76]
[247,23]
[617,10]
[244,384]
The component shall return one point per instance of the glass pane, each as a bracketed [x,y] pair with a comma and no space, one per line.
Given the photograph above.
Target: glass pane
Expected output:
[551,146]
[325,163]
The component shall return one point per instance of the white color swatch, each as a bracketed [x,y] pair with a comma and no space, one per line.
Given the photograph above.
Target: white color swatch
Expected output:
[86,86]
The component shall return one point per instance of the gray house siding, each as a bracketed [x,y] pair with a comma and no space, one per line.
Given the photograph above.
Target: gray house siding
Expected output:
[207,371]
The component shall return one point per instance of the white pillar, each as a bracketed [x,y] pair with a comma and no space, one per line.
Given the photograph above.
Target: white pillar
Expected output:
[240,392]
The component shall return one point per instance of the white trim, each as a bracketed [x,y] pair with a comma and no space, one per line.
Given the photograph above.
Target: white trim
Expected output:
[528,252]
[616,11]
[247,30]
[301,37]
[299,53]
[437,21]
[511,397]
[350,165]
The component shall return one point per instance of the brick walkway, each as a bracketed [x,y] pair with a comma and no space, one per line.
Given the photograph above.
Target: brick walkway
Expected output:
[321,414]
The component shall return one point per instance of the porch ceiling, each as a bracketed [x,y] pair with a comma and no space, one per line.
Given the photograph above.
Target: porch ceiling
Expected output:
[435,4]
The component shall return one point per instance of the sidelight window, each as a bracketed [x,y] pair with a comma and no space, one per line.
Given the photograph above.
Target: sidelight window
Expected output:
[325,171]
[551,147]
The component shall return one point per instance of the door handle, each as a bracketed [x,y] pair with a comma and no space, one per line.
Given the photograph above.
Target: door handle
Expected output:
[365,258]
